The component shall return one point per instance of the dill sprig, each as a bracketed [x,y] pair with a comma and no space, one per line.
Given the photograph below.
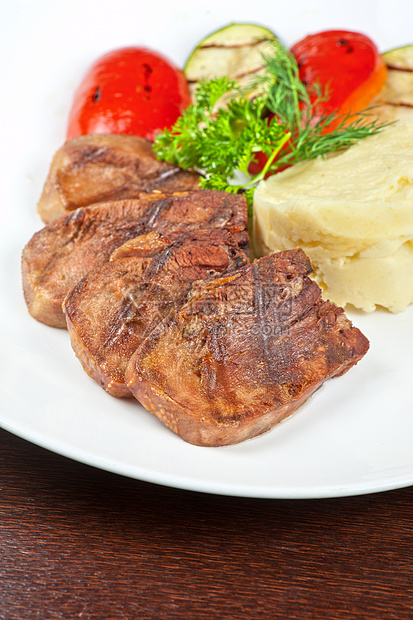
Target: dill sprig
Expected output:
[222,132]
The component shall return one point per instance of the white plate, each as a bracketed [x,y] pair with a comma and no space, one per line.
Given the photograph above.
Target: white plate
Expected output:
[353,436]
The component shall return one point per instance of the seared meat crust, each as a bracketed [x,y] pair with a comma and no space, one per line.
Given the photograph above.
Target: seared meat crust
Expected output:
[98,168]
[65,250]
[244,352]
[113,308]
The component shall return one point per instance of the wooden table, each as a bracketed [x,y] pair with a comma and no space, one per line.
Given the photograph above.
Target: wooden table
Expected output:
[80,543]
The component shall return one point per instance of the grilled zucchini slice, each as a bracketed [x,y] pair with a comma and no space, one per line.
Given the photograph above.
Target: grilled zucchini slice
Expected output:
[234,51]
[396,96]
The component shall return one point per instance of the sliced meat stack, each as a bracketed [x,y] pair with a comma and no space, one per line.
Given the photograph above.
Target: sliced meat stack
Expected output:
[244,352]
[151,275]
[113,309]
[64,251]
[98,168]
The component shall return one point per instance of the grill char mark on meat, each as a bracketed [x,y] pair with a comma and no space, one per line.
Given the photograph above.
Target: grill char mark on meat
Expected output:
[113,308]
[65,250]
[244,352]
[98,168]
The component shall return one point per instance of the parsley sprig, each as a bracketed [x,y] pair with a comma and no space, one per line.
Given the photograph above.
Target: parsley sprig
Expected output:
[222,132]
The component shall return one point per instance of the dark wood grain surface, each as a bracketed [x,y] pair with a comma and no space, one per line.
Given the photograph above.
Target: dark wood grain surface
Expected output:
[77,542]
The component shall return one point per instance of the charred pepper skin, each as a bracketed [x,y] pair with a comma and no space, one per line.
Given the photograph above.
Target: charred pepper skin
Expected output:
[131,90]
[347,64]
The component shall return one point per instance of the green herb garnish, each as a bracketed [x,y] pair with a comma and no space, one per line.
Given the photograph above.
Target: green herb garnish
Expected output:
[221,141]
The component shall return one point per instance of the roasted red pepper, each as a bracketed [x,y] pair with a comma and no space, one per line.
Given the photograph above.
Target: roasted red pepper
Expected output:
[348,64]
[131,90]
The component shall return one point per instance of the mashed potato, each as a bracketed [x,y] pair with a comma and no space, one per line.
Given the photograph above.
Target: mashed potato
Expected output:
[353,216]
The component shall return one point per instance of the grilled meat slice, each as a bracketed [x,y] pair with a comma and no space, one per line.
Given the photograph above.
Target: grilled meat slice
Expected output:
[113,308]
[65,250]
[244,353]
[60,254]
[99,168]
[192,210]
